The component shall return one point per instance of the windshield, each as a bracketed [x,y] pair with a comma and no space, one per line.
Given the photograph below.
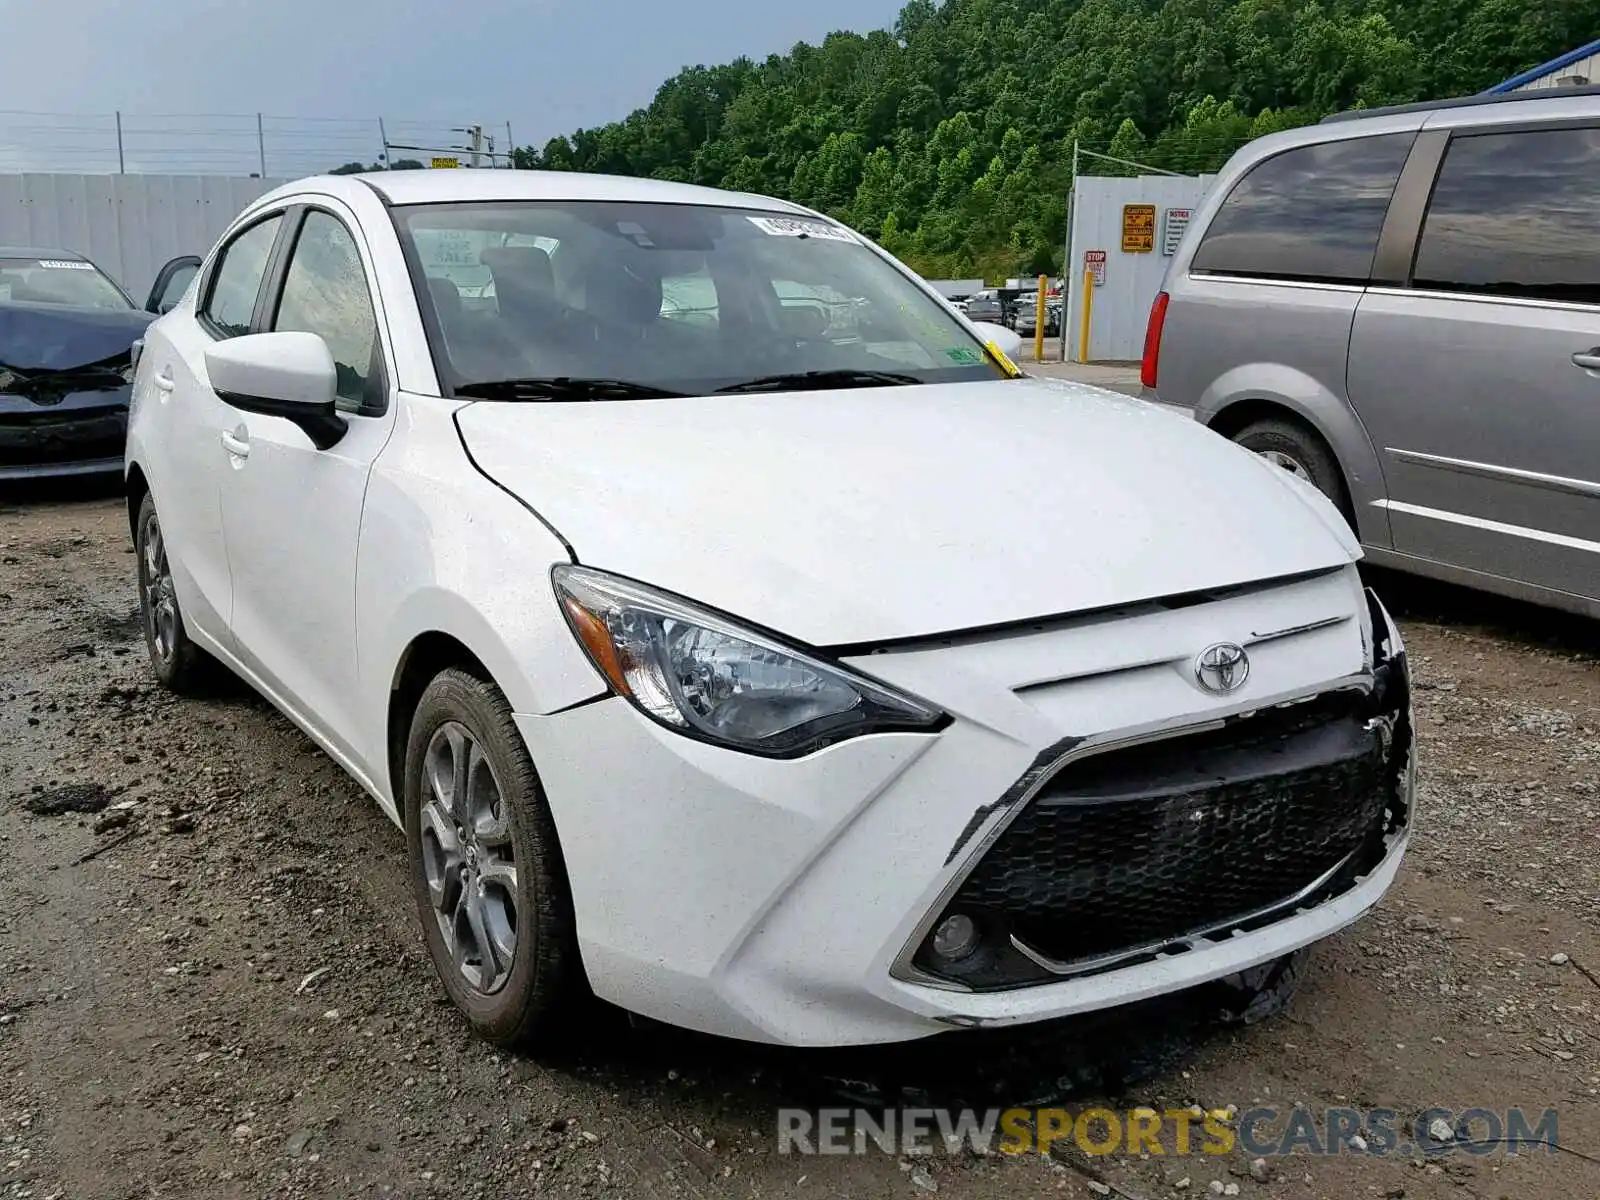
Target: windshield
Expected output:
[59,281]
[680,298]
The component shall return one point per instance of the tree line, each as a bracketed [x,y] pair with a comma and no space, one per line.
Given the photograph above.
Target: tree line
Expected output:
[949,138]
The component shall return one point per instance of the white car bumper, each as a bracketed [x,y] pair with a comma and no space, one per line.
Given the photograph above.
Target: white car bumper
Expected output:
[789,901]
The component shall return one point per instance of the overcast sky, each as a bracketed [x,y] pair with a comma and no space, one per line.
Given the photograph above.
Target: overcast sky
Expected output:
[188,75]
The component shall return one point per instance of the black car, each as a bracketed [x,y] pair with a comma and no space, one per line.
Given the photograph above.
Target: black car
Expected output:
[66,365]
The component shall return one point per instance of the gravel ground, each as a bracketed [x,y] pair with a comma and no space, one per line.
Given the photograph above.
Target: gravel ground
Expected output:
[212,981]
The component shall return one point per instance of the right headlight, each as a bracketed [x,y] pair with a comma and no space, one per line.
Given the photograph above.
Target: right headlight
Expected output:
[695,671]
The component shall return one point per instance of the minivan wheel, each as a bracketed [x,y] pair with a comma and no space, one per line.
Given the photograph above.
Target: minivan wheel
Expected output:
[1300,451]
[486,869]
[179,664]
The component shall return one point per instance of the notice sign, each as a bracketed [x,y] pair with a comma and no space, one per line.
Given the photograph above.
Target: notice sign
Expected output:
[443,163]
[1173,222]
[1094,263]
[1138,228]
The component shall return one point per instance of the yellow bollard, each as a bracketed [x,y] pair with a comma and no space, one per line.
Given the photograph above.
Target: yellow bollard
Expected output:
[1088,307]
[1038,321]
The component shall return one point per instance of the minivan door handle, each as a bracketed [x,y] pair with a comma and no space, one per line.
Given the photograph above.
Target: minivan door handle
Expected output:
[1589,360]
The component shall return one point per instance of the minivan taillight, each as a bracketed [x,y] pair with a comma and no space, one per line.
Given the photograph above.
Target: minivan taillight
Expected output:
[1152,341]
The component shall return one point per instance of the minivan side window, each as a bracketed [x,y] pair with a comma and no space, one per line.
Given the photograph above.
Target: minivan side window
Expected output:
[1516,214]
[236,281]
[1313,213]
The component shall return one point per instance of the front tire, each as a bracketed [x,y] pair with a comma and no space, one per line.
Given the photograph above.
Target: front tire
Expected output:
[179,664]
[486,868]
[1301,451]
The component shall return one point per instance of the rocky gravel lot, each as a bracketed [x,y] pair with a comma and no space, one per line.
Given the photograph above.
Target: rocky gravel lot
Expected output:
[212,983]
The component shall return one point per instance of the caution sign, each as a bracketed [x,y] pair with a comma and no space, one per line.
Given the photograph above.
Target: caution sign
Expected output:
[1094,262]
[1138,228]
[440,164]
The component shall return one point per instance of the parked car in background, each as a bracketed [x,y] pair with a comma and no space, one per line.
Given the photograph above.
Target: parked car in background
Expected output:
[784,683]
[67,333]
[986,306]
[1402,307]
[1026,322]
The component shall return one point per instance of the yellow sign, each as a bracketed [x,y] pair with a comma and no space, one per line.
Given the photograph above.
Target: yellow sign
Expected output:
[1138,228]
[441,163]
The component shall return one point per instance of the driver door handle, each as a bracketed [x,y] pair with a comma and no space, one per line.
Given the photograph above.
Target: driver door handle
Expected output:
[1589,360]
[235,445]
[164,380]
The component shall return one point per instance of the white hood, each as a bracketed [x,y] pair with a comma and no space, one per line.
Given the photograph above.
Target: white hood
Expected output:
[848,517]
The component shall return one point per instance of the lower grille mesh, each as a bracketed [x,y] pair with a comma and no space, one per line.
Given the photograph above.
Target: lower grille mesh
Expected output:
[1148,844]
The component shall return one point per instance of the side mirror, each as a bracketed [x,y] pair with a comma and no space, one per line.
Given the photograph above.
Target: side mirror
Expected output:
[288,375]
[1009,341]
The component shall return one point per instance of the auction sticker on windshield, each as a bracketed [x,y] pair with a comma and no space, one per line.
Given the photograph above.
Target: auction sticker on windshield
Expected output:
[790,227]
[1004,360]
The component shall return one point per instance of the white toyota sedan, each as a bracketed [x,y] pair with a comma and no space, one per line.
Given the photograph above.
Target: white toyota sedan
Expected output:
[782,666]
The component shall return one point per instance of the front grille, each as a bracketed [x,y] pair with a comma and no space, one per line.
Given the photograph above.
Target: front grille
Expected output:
[1132,851]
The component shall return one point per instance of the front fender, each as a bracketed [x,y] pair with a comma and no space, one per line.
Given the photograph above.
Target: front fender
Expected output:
[1302,396]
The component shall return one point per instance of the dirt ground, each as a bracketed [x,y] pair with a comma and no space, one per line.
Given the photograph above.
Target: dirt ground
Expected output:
[212,981]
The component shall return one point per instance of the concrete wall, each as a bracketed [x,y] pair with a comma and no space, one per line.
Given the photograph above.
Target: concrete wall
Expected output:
[130,225]
[1121,305]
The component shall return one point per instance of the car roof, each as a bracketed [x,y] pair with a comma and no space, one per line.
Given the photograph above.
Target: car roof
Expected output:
[1581,101]
[1543,104]
[37,252]
[426,186]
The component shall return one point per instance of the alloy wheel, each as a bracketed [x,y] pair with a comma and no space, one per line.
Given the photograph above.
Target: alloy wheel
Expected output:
[1289,463]
[160,598]
[468,858]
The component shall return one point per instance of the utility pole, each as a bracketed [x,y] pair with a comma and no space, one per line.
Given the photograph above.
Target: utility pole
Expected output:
[261,145]
[511,148]
[1067,280]
[383,137]
[475,132]
[122,167]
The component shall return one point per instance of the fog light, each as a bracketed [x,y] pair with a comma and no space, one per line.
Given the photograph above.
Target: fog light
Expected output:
[955,938]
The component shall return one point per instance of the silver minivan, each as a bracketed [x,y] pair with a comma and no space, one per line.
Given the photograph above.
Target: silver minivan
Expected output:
[1402,306]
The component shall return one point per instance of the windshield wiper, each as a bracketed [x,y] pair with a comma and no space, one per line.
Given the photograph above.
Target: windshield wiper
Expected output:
[563,387]
[803,381]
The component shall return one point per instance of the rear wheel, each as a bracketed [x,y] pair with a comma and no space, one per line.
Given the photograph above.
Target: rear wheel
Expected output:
[1300,450]
[486,869]
[179,664]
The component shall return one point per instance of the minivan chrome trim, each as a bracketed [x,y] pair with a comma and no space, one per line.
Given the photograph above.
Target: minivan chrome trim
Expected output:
[1480,298]
[1303,284]
[1556,483]
[1566,541]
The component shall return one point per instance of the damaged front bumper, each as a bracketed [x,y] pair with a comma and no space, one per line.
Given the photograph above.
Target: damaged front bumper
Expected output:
[797,901]
[72,433]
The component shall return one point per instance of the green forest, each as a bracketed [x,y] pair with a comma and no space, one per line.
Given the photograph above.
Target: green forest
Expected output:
[949,138]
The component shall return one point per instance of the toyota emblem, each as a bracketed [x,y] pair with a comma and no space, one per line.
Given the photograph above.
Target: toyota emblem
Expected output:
[1222,668]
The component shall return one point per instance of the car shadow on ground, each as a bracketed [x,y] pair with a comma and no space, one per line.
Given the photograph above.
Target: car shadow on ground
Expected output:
[1413,598]
[1104,1056]
[16,494]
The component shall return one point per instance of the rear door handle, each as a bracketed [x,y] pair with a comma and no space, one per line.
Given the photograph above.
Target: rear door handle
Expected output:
[235,445]
[1589,360]
[164,380]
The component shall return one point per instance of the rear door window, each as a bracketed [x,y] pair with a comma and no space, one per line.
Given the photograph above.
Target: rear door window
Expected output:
[236,281]
[1516,214]
[1312,214]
